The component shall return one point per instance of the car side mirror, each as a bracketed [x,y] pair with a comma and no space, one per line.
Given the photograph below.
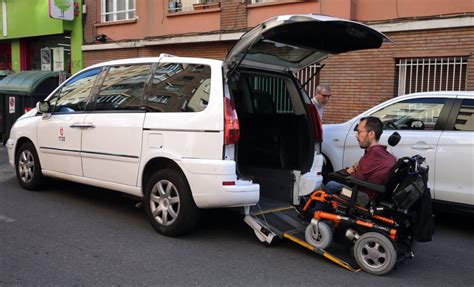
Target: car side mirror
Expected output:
[42,106]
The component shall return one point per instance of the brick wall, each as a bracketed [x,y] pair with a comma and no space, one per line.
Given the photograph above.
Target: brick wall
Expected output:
[90,20]
[360,80]
[233,15]
[211,50]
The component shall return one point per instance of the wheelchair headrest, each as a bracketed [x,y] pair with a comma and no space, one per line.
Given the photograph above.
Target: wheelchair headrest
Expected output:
[394,139]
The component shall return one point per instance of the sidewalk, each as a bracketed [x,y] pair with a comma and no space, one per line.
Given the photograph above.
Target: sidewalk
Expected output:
[6,170]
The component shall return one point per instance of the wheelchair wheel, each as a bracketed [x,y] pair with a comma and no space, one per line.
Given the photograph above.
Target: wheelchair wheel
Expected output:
[375,253]
[319,235]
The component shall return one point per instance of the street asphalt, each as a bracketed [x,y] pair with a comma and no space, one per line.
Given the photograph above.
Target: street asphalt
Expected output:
[76,235]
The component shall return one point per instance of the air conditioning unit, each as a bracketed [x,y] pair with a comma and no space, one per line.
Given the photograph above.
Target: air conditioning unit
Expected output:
[257,1]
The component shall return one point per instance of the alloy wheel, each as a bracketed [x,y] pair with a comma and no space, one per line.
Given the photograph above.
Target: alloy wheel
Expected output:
[26,166]
[164,202]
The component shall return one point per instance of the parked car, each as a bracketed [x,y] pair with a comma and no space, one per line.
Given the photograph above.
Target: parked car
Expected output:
[190,133]
[437,125]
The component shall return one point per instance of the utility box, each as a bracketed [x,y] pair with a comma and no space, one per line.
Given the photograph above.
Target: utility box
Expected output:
[20,92]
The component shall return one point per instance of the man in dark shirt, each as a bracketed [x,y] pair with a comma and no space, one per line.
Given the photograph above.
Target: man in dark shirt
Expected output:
[376,163]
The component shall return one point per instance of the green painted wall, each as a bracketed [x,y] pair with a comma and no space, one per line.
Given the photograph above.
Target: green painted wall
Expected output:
[77,62]
[15,55]
[27,18]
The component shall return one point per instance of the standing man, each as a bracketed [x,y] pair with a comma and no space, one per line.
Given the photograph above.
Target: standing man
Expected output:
[321,98]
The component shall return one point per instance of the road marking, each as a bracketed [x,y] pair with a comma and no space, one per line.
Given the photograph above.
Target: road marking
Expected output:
[6,219]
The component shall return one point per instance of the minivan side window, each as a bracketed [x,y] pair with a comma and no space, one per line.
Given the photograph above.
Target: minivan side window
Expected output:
[414,114]
[465,118]
[73,95]
[178,87]
[122,88]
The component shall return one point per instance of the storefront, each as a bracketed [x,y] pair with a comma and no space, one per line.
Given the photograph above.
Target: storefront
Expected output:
[41,35]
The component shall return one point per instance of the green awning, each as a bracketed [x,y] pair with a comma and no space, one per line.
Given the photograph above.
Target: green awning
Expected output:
[25,83]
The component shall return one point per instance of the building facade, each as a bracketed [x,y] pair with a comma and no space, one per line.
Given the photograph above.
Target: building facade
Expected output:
[433,41]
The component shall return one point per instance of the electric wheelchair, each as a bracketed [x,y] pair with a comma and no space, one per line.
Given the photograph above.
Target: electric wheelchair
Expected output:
[384,231]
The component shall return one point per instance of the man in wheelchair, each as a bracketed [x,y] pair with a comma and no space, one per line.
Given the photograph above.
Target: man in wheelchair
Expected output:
[373,167]
[381,205]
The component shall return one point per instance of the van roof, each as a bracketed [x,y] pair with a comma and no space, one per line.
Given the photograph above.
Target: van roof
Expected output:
[164,57]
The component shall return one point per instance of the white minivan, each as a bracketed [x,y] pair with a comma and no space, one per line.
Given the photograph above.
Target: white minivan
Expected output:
[188,133]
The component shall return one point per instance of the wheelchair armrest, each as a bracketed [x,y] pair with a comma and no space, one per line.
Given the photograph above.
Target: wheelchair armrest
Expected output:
[375,187]
[338,176]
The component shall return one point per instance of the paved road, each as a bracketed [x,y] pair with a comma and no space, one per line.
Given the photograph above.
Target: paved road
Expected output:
[71,234]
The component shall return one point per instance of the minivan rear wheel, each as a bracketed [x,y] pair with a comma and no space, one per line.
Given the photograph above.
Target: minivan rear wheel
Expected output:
[28,167]
[169,204]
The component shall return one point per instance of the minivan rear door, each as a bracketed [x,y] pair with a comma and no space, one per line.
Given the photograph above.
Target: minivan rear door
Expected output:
[292,42]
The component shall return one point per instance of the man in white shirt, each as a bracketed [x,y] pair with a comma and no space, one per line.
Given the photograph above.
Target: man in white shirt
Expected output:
[321,98]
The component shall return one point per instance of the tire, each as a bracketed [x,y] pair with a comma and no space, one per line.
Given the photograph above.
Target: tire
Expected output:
[169,204]
[375,253]
[28,167]
[320,236]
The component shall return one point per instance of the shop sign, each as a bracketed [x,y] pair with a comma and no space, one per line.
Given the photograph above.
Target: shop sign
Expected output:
[11,105]
[46,59]
[58,59]
[61,9]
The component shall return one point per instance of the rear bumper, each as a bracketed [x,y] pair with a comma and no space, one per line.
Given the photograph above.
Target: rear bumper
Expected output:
[206,179]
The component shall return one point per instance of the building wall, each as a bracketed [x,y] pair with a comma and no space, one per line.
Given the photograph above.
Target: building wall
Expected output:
[360,80]
[376,10]
[153,21]
[211,50]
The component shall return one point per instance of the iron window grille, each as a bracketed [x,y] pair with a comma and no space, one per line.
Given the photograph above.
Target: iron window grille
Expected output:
[431,74]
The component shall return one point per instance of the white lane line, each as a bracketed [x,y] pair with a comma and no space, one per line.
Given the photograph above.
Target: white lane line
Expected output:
[4,218]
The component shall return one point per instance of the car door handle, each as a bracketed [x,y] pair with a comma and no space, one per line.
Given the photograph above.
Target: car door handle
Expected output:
[82,125]
[422,146]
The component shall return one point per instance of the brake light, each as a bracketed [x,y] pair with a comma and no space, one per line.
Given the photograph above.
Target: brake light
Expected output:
[317,124]
[231,123]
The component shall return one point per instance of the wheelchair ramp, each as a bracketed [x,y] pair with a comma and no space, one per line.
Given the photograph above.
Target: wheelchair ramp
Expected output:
[271,219]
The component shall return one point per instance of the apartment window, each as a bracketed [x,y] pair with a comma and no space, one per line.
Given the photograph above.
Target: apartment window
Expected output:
[118,10]
[431,74]
[190,5]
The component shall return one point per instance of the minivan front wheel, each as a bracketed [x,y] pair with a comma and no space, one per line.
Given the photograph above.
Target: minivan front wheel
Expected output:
[28,168]
[169,204]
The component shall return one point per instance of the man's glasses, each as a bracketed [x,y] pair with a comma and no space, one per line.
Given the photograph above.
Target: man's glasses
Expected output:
[325,95]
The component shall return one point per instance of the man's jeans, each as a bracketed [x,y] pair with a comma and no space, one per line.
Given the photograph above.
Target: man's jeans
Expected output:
[334,187]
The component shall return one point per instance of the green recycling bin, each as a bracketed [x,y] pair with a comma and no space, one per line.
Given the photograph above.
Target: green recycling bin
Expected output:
[20,92]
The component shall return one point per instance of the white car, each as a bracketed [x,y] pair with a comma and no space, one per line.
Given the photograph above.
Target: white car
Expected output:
[190,133]
[436,125]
